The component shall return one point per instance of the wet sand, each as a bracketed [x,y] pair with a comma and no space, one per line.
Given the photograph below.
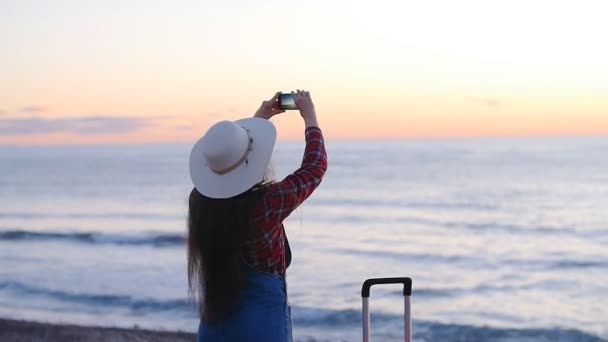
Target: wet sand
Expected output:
[25,331]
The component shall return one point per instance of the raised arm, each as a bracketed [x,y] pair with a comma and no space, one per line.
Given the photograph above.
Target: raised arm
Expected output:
[285,196]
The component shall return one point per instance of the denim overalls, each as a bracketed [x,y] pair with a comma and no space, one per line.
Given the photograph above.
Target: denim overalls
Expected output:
[263,315]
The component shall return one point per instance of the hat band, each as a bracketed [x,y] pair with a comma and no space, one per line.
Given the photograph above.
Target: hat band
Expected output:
[239,162]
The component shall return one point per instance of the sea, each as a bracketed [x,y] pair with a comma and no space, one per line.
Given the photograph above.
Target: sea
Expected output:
[505,239]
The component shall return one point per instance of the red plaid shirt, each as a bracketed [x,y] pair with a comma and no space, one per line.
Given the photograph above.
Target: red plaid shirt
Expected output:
[264,249]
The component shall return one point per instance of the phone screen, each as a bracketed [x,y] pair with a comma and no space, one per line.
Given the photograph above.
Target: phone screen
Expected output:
[286,102]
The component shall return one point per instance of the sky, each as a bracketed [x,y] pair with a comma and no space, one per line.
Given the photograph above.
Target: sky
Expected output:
[96,72]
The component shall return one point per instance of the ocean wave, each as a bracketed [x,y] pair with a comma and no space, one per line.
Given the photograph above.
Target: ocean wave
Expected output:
[96,216]
[156,240]
[400,204]
[578,264]
[475,227]
[431,293]
[470,260]
[404,255]
[482,289]
[389,326]
[430,331]
[557,264]
[99,300]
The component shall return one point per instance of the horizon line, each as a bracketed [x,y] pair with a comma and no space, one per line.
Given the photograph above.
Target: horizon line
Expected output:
[338,139]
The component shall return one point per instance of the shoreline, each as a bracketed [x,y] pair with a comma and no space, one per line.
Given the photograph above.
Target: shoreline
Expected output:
[17,330]
[30,331]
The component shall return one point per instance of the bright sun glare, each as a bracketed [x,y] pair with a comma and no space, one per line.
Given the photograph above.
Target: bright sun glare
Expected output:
[529,32]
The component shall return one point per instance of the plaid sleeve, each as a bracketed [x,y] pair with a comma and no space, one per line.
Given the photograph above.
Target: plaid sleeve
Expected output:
[285,196]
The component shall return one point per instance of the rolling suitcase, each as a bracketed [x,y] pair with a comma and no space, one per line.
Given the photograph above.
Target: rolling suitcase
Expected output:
[407,292]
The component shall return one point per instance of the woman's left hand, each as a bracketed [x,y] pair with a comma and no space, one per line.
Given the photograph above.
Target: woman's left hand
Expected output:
[269,108]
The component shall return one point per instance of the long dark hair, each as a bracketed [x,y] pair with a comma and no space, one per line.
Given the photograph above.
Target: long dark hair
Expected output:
[216,231]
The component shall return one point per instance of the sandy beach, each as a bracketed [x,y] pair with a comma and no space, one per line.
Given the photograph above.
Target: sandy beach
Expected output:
[25,331]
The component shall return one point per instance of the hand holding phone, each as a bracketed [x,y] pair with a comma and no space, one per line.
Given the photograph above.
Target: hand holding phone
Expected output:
[287,101]
[269,108]
[303,102]
[299,100]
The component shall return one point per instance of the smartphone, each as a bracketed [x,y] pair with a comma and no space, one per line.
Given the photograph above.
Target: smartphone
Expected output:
[286,102]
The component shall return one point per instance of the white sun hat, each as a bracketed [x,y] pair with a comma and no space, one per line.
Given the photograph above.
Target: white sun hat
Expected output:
[232,157]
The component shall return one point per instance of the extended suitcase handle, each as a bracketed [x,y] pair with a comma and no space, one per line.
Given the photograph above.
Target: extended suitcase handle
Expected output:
[407,292]
[407,285]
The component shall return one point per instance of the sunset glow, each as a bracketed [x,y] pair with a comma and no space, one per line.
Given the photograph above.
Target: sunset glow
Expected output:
[156,71]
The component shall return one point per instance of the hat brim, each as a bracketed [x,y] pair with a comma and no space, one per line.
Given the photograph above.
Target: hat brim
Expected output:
[242,178]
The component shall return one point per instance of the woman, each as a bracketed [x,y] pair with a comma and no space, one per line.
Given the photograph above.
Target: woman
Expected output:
[237,248]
